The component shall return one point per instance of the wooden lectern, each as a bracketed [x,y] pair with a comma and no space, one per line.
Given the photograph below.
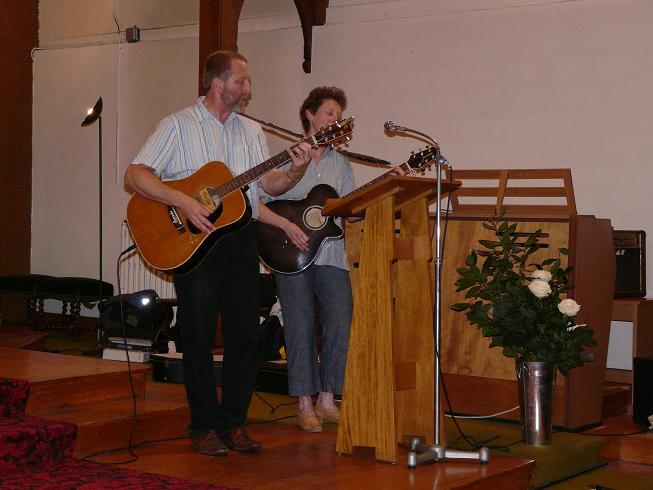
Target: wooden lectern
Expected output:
[389,379]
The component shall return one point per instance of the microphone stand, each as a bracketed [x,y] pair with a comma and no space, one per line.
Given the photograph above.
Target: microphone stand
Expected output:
[419,452]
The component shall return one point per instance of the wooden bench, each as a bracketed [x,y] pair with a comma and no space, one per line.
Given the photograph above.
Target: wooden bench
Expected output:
[24,286]
[72,292]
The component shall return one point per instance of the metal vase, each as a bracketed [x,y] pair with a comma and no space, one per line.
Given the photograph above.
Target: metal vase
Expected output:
[536,382]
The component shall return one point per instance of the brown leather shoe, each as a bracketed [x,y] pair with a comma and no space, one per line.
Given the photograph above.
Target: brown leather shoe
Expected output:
[209,443]
[238,440]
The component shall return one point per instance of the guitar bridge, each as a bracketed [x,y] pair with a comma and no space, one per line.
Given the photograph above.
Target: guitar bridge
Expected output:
[175,219]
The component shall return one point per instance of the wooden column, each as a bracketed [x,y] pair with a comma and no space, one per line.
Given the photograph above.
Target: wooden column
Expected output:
[218,29]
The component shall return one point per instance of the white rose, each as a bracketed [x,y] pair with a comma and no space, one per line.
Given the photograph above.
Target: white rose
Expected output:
[569,307]
[540,288]
[541,275]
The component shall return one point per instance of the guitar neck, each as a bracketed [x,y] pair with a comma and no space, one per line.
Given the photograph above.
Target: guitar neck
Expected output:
[399,170]
[252,174]
[334,134]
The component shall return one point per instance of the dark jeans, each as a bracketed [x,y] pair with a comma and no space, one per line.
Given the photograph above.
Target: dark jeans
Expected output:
[227,281]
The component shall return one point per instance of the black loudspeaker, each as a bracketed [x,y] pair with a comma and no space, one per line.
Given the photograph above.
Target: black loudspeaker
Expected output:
[642,389]
[143,313]
[630,250]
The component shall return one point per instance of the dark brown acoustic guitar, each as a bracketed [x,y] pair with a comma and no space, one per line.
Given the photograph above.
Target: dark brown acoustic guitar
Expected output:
[168,241]
[275,249]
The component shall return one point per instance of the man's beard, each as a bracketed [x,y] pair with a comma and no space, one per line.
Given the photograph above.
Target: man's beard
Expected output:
[235,103]
[242,103]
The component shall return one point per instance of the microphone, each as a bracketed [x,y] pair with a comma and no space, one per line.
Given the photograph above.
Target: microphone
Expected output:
[391,127]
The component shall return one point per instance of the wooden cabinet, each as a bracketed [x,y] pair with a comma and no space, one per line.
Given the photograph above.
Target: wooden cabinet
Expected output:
[638,311]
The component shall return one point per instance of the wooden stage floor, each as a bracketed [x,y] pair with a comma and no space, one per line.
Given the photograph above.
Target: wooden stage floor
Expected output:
[292,458]
[94,394]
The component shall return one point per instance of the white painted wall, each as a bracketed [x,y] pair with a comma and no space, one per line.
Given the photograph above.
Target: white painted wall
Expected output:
[499,83]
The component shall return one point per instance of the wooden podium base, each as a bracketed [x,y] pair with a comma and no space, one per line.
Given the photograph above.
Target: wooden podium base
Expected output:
[388,392]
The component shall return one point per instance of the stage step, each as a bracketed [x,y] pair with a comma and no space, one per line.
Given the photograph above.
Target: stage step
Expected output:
[96,396]
[161,413]
[626,441]
[60,381]
[23,338]
[617,398]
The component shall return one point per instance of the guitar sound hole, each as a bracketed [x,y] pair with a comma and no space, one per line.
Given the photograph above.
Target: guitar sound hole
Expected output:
[313,218]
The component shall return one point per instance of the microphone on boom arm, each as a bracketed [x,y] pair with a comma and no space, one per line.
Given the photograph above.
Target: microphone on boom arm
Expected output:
[391,127]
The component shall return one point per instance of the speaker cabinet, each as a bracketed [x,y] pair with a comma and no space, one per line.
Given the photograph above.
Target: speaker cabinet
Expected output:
[642,389]
[630,250]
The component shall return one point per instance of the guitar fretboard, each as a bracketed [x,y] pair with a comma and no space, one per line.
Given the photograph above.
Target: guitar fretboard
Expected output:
[331,135]
[252,174]
[402,169]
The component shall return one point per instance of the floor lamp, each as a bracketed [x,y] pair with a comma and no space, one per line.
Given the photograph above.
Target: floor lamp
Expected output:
[92,115]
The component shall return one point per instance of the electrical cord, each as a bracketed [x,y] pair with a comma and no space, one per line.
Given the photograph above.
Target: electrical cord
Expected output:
[130,445]
[113,451]
[273,408]
[482,416]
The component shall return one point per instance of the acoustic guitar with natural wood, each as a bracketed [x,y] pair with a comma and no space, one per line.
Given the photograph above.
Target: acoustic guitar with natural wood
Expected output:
[168,241]
[275,249]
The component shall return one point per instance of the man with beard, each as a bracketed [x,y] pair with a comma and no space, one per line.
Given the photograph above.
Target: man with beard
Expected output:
[226,280]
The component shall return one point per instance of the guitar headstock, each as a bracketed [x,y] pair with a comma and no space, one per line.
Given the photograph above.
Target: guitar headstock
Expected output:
[334,134]
[423,159]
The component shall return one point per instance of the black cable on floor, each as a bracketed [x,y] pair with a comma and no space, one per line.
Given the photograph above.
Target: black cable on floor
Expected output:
[140,444]
[132,429]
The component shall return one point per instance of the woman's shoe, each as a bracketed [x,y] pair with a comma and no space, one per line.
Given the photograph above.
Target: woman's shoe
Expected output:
[328,414]
[309,421]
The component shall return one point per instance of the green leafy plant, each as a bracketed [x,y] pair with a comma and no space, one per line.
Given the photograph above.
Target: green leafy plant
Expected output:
[518,304]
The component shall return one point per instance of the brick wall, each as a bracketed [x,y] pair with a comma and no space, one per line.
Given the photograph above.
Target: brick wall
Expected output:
[18,35]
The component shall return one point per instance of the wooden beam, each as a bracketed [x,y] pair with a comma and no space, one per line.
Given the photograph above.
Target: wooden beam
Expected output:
[218,29]
[311,13]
